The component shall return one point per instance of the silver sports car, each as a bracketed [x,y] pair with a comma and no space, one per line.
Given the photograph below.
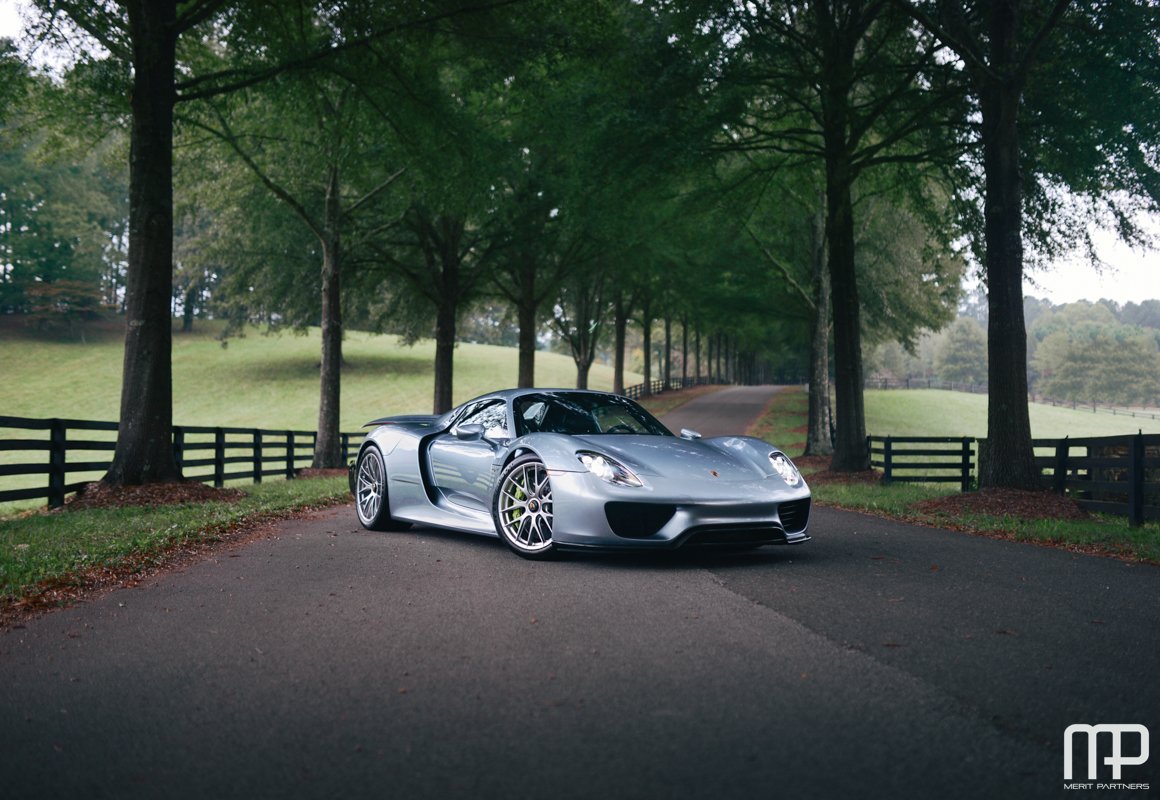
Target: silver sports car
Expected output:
[553,469]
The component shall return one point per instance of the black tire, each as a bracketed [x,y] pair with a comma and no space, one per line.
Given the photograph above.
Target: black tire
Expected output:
[522,509]
[370,492]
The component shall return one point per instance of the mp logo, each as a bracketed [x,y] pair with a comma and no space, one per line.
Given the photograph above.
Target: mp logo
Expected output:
[1117,760]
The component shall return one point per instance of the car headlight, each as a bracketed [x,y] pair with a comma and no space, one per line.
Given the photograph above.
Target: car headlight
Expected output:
[785,468]
[606,469]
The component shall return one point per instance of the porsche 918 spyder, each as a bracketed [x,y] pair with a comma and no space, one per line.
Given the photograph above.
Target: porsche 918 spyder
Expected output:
[554,469]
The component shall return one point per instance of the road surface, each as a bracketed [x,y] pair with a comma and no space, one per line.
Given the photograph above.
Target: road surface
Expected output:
[878,660]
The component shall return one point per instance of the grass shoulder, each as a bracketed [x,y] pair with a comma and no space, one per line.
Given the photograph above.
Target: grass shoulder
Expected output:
[48,558]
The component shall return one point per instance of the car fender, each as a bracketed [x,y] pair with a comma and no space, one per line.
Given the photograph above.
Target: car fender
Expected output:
[556,450]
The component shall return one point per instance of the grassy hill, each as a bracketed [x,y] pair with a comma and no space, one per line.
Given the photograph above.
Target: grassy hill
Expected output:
[933,412]
[268,381]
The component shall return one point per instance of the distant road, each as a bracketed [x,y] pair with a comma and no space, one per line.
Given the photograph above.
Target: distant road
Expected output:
[880,660]
[729,411]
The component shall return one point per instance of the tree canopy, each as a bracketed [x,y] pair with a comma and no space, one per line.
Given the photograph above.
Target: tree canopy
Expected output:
[785,183]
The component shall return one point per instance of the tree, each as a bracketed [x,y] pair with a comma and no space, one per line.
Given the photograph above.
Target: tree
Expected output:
[314,141]
[579,314]
[1078,78]
[843,84]
[962,354]
[142,38]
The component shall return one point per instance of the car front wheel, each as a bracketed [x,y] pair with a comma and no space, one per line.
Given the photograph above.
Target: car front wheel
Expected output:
[522,508]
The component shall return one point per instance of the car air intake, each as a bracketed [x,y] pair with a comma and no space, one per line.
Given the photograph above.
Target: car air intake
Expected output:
[795,514]
[638,520]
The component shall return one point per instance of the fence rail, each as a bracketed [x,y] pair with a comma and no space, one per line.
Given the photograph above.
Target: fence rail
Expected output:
[1107,474]
[923,459]
[204,454]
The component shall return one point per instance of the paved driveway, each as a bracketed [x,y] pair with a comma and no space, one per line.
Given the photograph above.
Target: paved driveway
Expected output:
[879,660]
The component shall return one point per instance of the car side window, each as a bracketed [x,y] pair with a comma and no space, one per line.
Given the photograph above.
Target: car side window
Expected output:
[493,418]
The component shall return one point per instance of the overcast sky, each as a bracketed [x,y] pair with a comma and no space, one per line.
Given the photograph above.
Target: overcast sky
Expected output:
[1131,275]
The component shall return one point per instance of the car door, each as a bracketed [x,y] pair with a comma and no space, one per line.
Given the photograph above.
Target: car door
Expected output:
[462,459]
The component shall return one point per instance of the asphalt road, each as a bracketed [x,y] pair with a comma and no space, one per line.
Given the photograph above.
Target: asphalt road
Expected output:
[878,660]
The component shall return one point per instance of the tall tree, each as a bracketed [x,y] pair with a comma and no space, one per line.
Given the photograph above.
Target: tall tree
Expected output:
[314,141]
[1082,81]
[142,39]
[840,82]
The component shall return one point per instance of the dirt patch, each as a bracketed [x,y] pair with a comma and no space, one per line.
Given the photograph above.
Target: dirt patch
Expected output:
[817,471]
[100,495]
[333,472]
[1012,503]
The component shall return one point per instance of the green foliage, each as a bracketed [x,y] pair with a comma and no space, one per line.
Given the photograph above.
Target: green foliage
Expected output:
[962,354]
[1109,363]
[62,215]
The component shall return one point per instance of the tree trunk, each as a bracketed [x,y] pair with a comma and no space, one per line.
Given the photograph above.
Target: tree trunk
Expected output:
[709,358]
[646,333]
[582,370]
[668,352]
[620,324]
[818,441]
[444,353]
[684,350]
[187,309]
[1008,460]
[526,311]
[851,453]
[697,348]
[144,449]
[327,444]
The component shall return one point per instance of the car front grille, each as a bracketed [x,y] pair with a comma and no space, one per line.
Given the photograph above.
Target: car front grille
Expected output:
[637,520]
[795,514]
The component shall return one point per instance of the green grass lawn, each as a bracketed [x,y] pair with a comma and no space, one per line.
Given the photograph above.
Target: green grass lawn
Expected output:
[266,381]
[934,412]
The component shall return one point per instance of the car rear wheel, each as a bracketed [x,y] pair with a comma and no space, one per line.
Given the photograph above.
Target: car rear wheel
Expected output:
[522,508]
[370,493]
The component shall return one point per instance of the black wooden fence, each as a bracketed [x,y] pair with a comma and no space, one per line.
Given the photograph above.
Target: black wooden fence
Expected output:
[205,454]
[923,459]
[1107,474]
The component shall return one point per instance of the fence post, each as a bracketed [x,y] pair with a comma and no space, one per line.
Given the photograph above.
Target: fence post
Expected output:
[257,456]
[289,455]
[1059,479]
[887,458]
[965,483]
[179,446]
[56,458]
[1136,486]
[219,457]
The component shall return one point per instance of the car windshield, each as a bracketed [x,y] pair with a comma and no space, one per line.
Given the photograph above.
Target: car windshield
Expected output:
[580,413]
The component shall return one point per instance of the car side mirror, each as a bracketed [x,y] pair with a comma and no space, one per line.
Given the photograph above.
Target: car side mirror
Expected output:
[469,433]
[689,434]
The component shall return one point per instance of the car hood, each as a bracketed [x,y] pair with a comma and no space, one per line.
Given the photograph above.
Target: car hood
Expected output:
[726,458]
